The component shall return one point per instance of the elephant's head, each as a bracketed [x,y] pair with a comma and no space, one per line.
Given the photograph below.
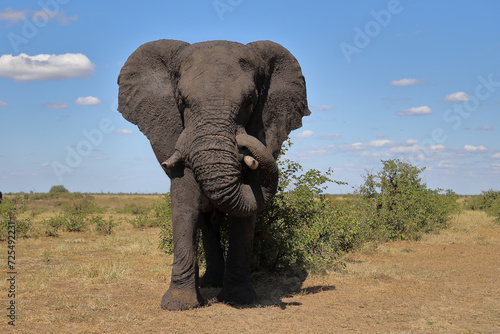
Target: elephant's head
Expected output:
[201,104]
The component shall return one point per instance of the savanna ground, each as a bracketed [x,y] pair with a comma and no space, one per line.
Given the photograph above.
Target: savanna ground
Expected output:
[81,282]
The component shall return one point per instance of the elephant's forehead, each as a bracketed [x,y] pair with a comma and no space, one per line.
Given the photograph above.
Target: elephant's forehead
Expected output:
[219,46]
[212,67]
[212,58]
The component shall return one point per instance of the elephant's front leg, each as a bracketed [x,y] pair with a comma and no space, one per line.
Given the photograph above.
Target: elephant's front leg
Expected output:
[183,292]
[237,287]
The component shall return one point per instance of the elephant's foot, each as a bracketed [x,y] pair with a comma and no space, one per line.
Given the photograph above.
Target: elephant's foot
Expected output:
[238,295]
[177,299]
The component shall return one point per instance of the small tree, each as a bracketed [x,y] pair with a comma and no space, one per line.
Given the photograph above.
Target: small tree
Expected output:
[58,190]
[398,205]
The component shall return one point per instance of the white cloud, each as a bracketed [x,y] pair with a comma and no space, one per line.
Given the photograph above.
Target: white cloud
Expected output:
[87,101]
[437,148]
[496,156]
[411,141]
[3,104]
[24,68]
[416,111]
[13,16]
[124,131]
[323,107]
[417,148]
[457,97]
[380,142]
[56,105]
[406,82]
[45,164]
[318,151]
[406,149]
[471,148]
[331,136]
[45,15]
[446,164]
[304,134]
[375,154]
[38,16]
[485,128]
[354,146]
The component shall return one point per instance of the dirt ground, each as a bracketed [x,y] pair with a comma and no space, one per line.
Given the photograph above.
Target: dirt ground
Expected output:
[83,283]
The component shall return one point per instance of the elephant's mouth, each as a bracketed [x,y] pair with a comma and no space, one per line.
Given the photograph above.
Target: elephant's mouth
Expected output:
[220,178]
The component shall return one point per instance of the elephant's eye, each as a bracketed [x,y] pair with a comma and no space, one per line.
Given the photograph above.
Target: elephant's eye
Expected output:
[248,105]
[246,108]
[251,99]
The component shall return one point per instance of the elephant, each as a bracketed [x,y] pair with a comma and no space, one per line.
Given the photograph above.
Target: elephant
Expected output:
[216,114]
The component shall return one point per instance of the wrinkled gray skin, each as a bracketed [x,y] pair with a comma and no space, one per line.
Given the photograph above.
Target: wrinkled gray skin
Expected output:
[211,111]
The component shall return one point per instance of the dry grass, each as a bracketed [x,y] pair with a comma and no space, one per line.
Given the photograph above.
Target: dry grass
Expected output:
[84,283]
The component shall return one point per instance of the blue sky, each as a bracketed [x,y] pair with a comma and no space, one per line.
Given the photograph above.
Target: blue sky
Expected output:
[413,80]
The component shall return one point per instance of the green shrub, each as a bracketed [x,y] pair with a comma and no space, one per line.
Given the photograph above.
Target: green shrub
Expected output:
[75,223]
[156,216]
[300,229]
[102,227]
[77,212]
[485,201]
[488,201]
[81,205]
[161,211]
[134,209]
[10,210]
[164,217]
[57,190]
[396,204]
[53,225]
[142,220]
[38,196]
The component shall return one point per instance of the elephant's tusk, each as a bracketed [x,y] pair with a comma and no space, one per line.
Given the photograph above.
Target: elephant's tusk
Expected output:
[172,161]
[251,162]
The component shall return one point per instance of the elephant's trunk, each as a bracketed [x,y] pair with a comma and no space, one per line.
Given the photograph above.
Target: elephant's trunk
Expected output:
[215,161]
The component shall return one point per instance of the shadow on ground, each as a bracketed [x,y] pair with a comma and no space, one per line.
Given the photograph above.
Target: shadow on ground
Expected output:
[271,290]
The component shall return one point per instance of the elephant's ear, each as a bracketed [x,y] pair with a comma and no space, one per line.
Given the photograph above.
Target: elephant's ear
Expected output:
[146,94]
[284,94]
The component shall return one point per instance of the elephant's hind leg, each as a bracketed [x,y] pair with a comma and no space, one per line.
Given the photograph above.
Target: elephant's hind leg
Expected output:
[237,287]
[183,292]
[210,231]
